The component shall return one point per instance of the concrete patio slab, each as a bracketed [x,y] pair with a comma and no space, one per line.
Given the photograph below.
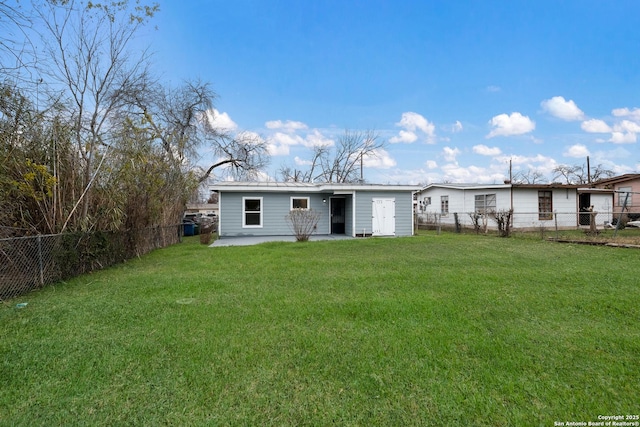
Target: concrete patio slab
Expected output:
[255,240]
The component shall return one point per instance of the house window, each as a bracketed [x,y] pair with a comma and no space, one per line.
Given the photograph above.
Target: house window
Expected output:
[444,205]
[545,205]
[485,203]
[299,203]
[622,195]
[251,212]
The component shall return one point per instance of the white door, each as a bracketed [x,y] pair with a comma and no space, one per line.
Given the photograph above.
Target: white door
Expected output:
[383,214]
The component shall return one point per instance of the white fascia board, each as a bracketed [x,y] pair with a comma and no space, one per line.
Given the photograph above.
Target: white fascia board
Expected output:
[299,187]
[597,190]
[467,186]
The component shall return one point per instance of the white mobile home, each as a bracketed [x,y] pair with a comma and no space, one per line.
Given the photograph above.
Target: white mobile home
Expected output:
[534,205]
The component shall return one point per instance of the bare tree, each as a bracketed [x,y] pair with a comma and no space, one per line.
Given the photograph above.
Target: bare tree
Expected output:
[91,71]
[15,40]
[578,174]
[600,172]
[342,163]
[568,174]
[182,122]
[530,176]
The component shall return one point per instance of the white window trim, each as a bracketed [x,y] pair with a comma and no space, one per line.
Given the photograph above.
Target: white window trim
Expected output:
[622,195]
[244,216]
[295,197]
[442,212]
[485,208]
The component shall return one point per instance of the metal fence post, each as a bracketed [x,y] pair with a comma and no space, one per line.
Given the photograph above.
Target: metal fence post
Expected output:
[40,263]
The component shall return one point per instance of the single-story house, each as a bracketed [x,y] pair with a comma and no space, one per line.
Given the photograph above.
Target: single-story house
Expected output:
[261,208]
[210,209]
[626,189]
[534,205]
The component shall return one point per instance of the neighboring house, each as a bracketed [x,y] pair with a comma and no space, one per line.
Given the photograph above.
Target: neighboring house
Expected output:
[261,208]
[626,197]
[533,205]
[202,208]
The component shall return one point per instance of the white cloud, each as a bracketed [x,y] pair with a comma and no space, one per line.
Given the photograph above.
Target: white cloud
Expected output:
[220,120]
[450,154]
[302,162]
[475,174]
[625,112]
[380,159]
[623,138]
[316,138]
[486,151]
[577,151]
[595,126]
[279,143]
[413,122]
[410,176]
[625,132]
[562,109]
[540,163]
[627,126]
[277,150]
[286,139]
[288,126]
[493,89]
[507,125]
[525,160]
[404,136]
[456,127]
[431,164]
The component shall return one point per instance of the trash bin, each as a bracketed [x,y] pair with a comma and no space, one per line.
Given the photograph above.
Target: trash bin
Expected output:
[189,228]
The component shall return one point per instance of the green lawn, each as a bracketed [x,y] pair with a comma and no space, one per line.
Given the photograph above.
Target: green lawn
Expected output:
[440,330]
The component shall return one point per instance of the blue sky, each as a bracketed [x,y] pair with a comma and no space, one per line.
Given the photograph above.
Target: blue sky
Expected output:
[457,89]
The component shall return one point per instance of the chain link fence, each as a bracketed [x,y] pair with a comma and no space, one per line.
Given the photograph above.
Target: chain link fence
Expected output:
[584,225]
[28,263]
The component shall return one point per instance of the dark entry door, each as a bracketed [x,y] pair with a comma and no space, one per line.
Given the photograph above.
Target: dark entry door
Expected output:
[585,204]
[337,216]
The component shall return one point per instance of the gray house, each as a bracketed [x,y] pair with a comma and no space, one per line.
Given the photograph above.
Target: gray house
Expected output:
[260,208]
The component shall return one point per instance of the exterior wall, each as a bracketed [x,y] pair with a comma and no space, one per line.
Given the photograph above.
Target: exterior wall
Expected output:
[462,201]
[403,211]
[565,205]
[563,202]
[603,205]
[348,216]
[633,204]
[275,207]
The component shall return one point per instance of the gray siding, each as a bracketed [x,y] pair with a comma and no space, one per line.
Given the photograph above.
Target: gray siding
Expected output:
[403,211]
[348,215]
[275,208]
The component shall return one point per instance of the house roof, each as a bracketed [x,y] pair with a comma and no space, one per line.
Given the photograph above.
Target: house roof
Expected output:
[459,186]
[305,187]
[618,179]
[466,186]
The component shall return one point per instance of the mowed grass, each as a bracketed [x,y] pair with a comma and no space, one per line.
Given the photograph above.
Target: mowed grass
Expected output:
[429,330]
